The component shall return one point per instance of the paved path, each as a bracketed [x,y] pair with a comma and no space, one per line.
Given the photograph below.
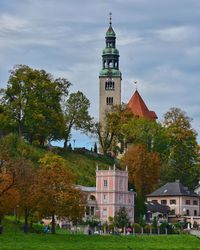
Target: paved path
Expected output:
[195,232]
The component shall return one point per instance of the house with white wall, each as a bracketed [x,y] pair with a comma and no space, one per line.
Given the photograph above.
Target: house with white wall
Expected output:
[181,200]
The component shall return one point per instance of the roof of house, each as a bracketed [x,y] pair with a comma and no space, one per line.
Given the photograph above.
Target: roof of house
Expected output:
[153,207]
[139,108]
[198,186]
[172,189]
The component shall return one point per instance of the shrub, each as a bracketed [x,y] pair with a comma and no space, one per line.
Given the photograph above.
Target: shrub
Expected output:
[137,228]
[38,228]
[195,225]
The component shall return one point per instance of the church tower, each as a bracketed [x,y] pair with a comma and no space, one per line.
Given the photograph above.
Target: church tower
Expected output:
[110,76]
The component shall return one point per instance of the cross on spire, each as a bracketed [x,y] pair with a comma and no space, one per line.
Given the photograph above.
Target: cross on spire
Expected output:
[110,14]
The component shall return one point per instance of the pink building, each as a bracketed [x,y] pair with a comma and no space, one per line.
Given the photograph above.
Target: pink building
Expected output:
[111,193]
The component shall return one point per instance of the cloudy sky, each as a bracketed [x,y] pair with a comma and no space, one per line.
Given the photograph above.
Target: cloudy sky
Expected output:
[158,41]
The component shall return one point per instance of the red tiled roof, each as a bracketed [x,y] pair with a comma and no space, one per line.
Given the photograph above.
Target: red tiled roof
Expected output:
[139,108]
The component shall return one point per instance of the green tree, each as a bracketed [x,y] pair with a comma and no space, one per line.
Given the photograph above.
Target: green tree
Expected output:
[140,207]
[183,161]
[76,115]
[109,134]
[121,218]
[31,101]
[6,123]
[146,132]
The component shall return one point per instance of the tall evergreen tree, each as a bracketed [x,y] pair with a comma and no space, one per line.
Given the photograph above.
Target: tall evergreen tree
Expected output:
[95,148]
[121,218]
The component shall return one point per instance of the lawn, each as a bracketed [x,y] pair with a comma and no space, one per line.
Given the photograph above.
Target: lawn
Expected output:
[12,238]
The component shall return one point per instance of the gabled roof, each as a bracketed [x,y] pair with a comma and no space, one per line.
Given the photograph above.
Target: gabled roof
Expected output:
[172,189]
[139,108]
[153,207]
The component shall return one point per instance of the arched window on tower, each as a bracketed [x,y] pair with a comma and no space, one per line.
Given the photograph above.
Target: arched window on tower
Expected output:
[109,100]
[110,64]
[109,85]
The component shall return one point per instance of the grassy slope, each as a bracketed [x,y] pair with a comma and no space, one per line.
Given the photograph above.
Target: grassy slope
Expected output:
[82,165]
[14,239]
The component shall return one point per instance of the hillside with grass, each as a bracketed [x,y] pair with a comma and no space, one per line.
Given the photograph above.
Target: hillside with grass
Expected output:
[81,162]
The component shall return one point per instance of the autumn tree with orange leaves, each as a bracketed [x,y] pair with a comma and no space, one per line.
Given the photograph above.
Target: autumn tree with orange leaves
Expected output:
[25,185]
[9,195]
[17,174]
[143,167]
[55,192]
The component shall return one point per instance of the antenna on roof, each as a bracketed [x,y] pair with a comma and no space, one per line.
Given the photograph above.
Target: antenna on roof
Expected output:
[135,82]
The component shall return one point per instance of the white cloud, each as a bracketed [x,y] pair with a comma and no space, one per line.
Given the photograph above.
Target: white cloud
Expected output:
[128,40]
[12,23]
[193,51]
[176,34]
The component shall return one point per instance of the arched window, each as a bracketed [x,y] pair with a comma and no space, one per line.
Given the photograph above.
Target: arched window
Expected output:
[109,100]
[110,85]
[92,197]
[110,64]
